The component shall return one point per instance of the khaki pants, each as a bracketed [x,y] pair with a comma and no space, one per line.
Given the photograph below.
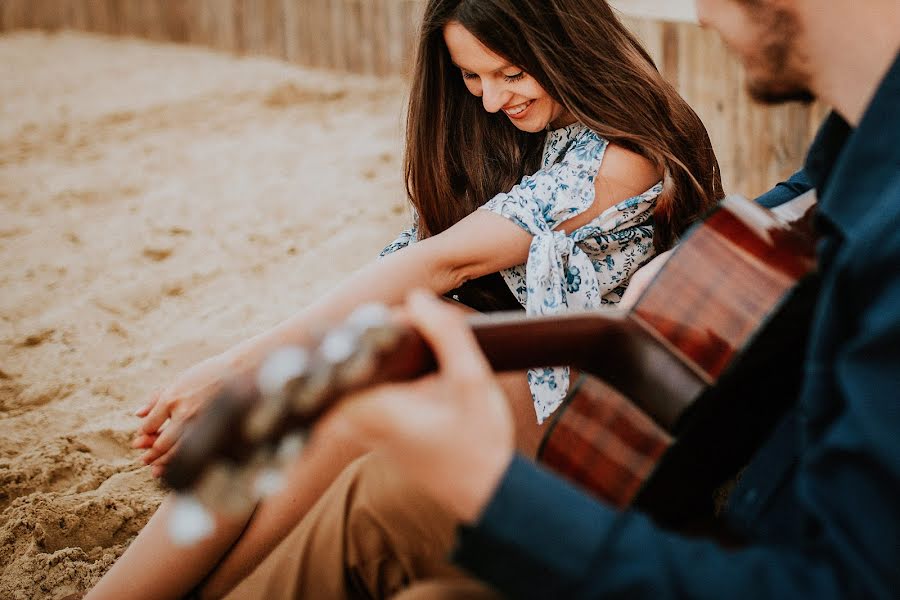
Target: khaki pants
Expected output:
[371,535]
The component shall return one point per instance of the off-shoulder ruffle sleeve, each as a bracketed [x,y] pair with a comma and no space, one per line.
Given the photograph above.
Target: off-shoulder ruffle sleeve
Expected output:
[573,272]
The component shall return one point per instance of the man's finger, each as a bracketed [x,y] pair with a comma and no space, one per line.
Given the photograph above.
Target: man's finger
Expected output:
[447,332]
[381,412]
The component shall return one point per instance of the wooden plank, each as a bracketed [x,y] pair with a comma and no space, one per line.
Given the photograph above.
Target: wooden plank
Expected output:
[411,14]
[260,27]
[380,37]
[276,29]
[294,49]
[177,20]
[394,36]
[338,56]
[353,37]
[370,37]
[221,20]
[322,32]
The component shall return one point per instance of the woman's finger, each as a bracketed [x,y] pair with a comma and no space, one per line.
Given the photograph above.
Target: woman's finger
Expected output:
[158,415]
[159,465]
[143,440]
[144,410]
[164,442]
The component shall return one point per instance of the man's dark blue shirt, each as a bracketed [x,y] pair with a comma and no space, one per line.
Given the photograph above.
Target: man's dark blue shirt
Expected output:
[820,501]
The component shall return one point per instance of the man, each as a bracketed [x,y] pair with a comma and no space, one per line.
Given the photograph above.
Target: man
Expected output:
[819,503]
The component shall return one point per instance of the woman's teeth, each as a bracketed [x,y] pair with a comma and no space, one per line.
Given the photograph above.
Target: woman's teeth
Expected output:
[515,110]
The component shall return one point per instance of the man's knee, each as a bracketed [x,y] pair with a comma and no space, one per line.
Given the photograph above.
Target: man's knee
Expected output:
[394,533]
[384,509]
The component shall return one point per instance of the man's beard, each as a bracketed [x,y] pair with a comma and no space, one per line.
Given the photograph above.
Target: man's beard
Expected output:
[768,93]
[783,81]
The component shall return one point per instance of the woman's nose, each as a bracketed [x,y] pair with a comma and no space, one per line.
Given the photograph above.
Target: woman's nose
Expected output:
[493,97]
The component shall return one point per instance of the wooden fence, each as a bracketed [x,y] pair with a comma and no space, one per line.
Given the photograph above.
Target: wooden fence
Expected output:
[362,36]
[756,146]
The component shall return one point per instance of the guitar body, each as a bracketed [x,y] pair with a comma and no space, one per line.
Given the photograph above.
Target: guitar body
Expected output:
[694,376]
[735,303]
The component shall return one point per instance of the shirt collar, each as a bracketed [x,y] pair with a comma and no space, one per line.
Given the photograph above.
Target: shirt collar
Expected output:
[850,167]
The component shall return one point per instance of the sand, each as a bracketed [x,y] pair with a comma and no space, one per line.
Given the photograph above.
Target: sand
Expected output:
[158,203]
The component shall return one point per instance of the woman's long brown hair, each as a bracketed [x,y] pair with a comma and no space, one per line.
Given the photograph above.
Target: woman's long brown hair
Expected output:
[458,156]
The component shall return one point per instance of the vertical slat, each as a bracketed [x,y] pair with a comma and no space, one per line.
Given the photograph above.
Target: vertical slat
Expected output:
[275,31]
[260,27]
[353,36]
[394,36]
[671,55]
[411,15]
[320,33]
[222,21]
[294,49]
[378,25]
[78,15]
[338,58]
[178,22]
[369,36]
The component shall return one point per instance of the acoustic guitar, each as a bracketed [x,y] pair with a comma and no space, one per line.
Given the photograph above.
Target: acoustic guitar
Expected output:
[708,357]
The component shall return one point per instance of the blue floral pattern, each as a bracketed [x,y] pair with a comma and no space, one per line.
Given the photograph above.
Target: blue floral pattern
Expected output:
[582,270]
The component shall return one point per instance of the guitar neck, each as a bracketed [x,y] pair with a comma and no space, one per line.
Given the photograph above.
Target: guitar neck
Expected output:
[511,341]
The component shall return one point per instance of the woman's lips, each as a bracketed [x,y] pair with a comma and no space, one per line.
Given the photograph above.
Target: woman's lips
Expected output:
[520,111]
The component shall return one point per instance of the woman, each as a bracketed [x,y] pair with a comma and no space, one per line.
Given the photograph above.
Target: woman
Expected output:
[550,116]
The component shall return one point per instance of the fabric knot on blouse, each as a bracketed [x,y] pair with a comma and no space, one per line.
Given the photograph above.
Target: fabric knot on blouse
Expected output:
[579,270]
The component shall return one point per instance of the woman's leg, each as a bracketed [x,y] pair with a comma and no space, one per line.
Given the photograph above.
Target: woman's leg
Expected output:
[311,477]
[306,481]
[154,568]
[528,432]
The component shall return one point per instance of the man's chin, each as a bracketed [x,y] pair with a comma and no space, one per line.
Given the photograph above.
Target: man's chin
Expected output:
[768,94]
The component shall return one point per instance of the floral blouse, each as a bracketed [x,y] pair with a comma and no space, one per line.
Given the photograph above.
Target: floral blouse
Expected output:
[582,270]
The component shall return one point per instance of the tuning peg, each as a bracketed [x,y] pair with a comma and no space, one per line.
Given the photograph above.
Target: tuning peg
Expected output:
[370,315]
[339,345]
[306,397]
[291,447]
[227,487]
[360,366]
[280,370]
[282,366]
[189,522]
[269,481]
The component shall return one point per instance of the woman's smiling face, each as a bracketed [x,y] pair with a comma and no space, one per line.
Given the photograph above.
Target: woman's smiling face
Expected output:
[502,86]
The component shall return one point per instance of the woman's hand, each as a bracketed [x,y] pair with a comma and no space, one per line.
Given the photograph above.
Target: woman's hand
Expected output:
[451,432]
[168,409]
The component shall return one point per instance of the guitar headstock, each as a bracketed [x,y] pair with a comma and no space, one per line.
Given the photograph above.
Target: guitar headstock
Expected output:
[232,453]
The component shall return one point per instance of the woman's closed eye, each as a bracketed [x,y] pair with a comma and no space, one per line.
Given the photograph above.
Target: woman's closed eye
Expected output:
[510,78]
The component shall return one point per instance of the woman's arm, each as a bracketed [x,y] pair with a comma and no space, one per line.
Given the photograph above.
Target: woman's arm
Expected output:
[479,244]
